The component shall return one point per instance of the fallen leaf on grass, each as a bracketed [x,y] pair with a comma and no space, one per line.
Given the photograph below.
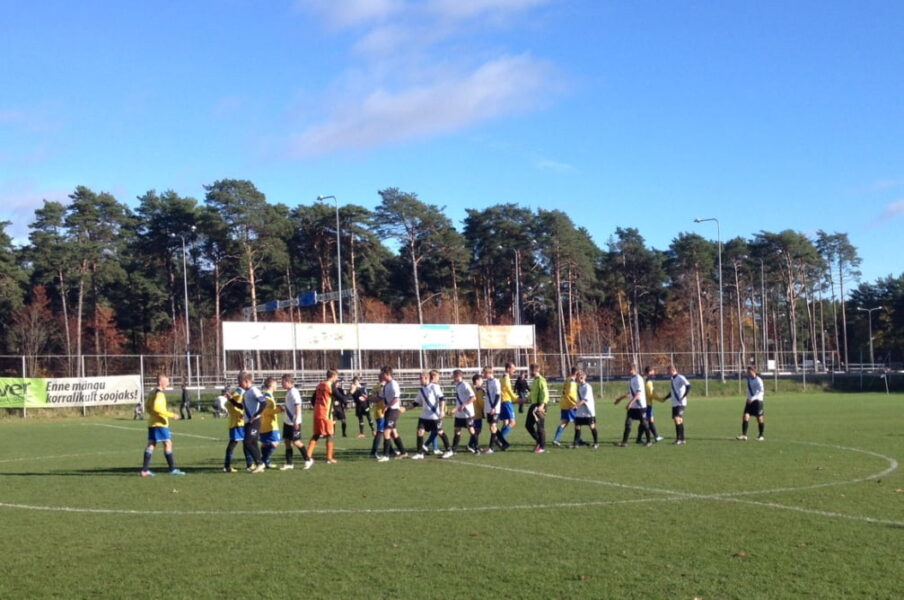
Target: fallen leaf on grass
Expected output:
[583,577]
[741,554]
[474,534]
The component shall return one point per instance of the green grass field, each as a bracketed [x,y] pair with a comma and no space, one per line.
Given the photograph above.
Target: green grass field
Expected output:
[815,511]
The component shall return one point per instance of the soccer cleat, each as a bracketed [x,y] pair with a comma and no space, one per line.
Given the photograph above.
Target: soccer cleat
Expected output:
[448,454]
[595,446]
[743,438]
[556,443]
[177,472]
[360,436]
[473,450]
[258,469]
[659,438]
[308,464]
[287,467]
[401,455]
[418,456]
[147,473]
[488,451]
[539,450]
[648,444]
[269,466]
[381,458]
[230,470]
[760,439]
[437,451]
[331,461]
[621,444]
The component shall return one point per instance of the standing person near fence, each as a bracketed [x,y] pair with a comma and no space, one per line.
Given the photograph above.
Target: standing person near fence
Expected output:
[185,406]
[509,397]
[158,428]
[755,405]
[292,425]
[536,414]
[323,416]
[339,401]
[567,404]
[585,412]
[679,389]
[358,392]
[392,399]
[253,404]
[522,388]
[636,408]
[652,394]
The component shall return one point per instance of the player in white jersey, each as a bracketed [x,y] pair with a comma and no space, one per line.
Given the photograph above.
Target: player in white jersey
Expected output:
[492,409]
[292,425]
[680,387]
[756,398]
[432,408]
[637,407]
[464,411]
[392,399]
[585,412]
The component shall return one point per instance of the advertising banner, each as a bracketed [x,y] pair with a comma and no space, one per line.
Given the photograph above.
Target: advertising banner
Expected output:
[36,392]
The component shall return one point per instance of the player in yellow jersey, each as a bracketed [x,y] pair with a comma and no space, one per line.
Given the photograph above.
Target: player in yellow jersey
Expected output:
[235,415]
[509,397]
[158,428]
[380,417]
[269,422]
[479,405]
[649,374]
[568,402]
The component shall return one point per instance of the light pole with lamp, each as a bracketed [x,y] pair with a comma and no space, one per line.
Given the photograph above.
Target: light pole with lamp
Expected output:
[185,289]
[721,318]
[869,311]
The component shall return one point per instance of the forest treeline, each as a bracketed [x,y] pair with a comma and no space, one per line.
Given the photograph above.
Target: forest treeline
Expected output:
[97,276]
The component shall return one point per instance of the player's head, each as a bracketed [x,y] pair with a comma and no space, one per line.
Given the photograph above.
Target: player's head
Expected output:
[487,372]
[751,371]
[434,376]
[356,380]
[534,369]
[581,376]
[649,371]
[632,370]
[477,379]
[288,382]
[672,371]
[162,380]
[457,375]
[574,372]
[270,383]
[425,378]
[332,374]
[386,373]
[245,380]
[510,368]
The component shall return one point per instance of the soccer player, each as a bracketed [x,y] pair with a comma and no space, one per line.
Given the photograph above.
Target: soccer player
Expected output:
[158,428]
[323,416]
[358,392]
[650,389]
[569,399]
[253,404]
[679,389]
[522,388]
[479,402]
[339,400]
[756,398]
[438,390]
[585,411]
[235,413]
[431,419]
[380,421]
[492,408]
[269,422]
[185,407]
[509,396]
[292,425]
[464,412]
[536,414]
[392,399]
[636,406]
[219,404]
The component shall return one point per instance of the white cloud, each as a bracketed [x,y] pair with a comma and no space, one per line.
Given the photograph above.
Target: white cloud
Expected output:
[18,200]
[499,87]
[545,164]
[464,9]
[893,210]
[350,13]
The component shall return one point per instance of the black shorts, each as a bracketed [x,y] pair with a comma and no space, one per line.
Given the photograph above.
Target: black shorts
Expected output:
[755,408]
[464,423]
[290,434]
[338,414]
[678,411]
[491,419]
[361,410]
[429,425]
[637,414]
[252,433]
[392,418]
[585,420]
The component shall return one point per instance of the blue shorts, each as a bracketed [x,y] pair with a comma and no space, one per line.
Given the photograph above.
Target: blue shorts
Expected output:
[478,424]
[159,434]
[507,412]
[649,411]
[237,434]
[381,425]
[568,414]
[271,437]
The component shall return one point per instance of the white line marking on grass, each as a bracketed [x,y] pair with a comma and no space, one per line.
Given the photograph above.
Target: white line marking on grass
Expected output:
[174,433]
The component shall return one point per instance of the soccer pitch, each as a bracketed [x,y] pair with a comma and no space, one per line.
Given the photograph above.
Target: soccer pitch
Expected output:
[817,510]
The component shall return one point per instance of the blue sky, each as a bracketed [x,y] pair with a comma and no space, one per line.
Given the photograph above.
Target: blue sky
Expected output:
[766,115]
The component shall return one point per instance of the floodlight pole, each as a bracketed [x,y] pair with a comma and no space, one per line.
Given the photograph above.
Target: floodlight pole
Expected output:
[338,253]
[869,311]
[185,289]
[721,318]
